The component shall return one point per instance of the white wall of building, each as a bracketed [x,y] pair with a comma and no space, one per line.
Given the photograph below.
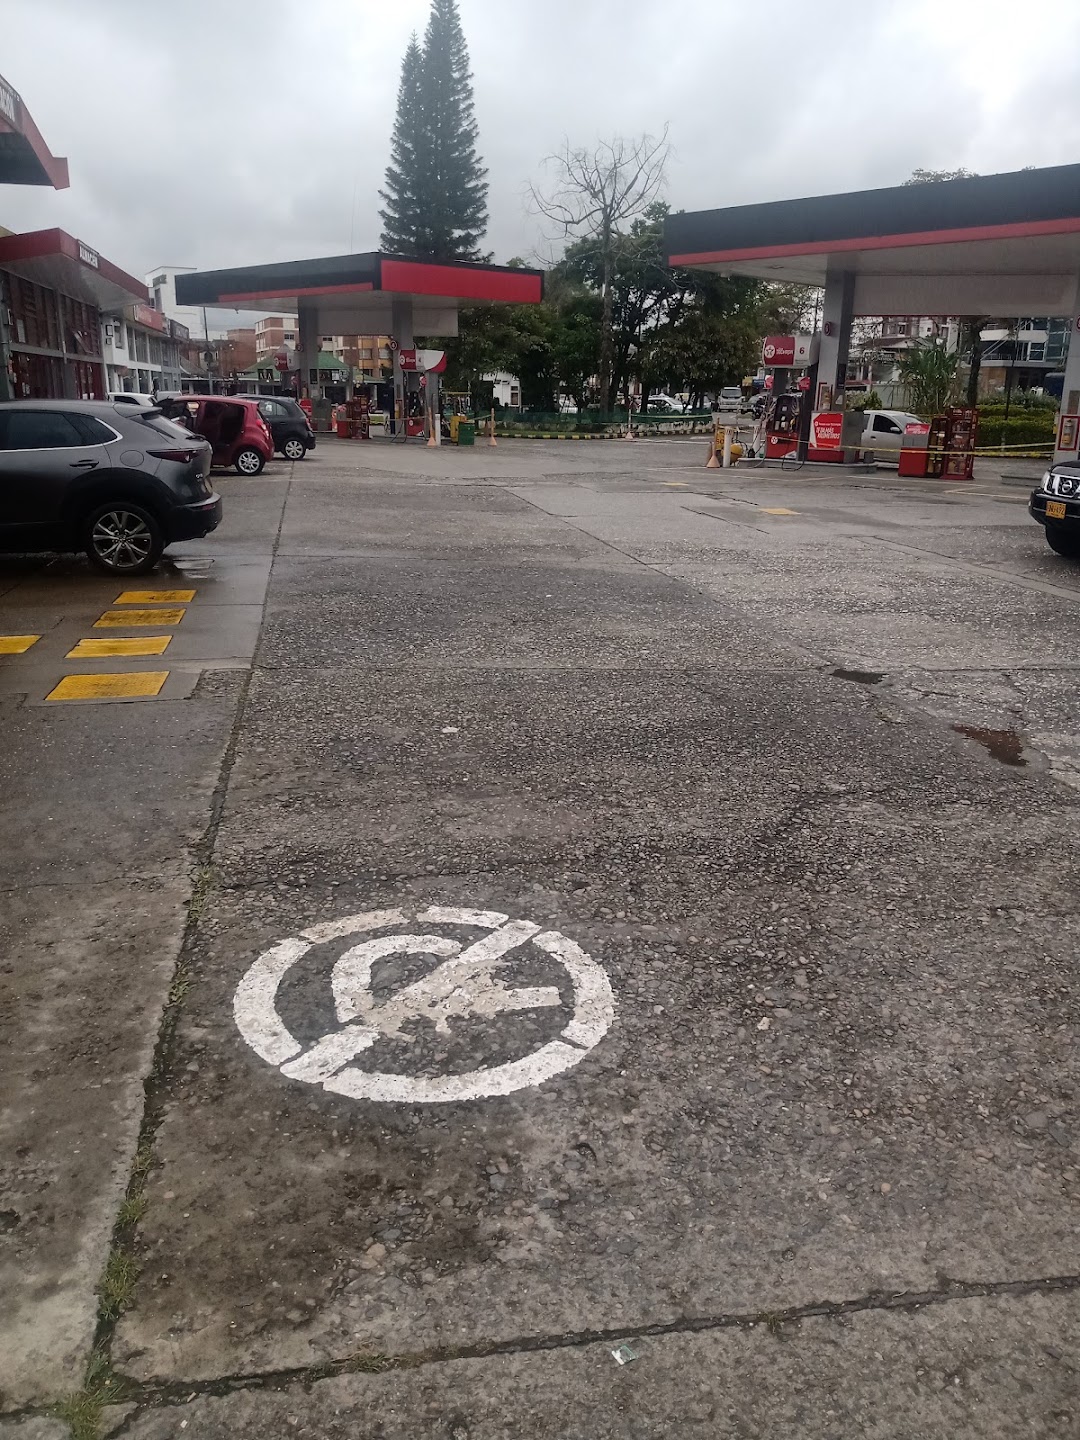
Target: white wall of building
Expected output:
[138,357]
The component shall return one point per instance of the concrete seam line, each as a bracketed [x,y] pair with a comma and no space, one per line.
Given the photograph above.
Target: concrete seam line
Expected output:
[177,1392]
[202,852]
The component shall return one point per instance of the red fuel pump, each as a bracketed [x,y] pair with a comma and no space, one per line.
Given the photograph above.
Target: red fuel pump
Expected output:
[782,426]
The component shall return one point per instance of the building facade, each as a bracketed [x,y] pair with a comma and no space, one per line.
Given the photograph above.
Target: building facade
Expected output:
[53,289]
[274,333]
[140,350]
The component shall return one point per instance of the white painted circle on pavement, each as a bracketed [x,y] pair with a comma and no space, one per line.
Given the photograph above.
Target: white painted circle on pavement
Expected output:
[464,984]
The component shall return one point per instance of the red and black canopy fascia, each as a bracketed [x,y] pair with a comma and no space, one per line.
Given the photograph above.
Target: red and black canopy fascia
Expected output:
[25,159]
[986,207]
[356,274]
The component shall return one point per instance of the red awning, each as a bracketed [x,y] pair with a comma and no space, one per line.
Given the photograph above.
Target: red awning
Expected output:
[58,260]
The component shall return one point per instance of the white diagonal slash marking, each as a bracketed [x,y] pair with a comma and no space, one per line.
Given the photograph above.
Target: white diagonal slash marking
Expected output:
[465,985]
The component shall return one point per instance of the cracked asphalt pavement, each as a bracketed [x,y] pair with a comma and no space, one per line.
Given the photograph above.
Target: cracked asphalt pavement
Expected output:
[709,841]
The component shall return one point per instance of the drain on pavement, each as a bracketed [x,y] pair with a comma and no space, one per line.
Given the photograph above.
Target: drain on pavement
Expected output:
[1003,745]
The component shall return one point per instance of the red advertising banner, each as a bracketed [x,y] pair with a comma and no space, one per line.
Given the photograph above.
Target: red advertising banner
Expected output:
[828,428]
[778,350]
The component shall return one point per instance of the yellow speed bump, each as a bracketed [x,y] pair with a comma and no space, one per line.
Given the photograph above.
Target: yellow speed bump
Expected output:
[140,645]
[778,511]
[136,685]
[155,597]
[123,618]
[17,644]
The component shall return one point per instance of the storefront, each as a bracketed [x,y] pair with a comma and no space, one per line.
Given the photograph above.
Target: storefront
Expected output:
[53,289]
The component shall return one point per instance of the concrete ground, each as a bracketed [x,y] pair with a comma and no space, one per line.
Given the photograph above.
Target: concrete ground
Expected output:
[558,899]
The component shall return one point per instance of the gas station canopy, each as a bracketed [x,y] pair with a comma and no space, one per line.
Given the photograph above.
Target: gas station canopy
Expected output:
[25,159]
[362,294]
[990,245]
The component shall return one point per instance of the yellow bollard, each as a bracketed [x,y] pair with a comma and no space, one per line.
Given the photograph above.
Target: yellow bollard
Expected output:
[491,428]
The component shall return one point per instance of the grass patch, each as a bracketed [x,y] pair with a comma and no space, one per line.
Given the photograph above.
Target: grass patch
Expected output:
[117,1285]
[132,1210]
[201,886]
[81,1411]
[142,1164]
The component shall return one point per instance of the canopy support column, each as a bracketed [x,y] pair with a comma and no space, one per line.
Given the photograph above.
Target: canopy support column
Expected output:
[1067,446]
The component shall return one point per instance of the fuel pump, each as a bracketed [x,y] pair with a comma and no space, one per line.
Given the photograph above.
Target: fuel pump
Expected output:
[783,426]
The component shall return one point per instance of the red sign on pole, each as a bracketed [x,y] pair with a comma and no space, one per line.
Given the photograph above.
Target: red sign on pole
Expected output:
[828,427]
[804,382]
[281,360]
[778,350]
[407,359]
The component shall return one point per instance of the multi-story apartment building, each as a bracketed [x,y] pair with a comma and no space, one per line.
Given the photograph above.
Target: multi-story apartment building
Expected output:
[274,333]
[369,356]
[140,349]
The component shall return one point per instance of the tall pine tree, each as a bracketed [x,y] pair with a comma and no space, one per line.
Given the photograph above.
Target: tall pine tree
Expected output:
[404,224]
[436,187]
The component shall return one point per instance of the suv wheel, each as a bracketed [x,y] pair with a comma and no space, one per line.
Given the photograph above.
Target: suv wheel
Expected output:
[249,461]
[122,539]
[294,448]
[1063,542]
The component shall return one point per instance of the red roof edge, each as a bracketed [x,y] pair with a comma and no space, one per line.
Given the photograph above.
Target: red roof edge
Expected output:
[35,244]
[55,166]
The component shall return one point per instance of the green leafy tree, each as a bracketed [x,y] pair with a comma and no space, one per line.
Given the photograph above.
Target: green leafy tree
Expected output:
[436,187]
[928,370]
[651,302]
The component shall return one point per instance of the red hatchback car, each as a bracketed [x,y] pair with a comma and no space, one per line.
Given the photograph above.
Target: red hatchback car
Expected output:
[237,433]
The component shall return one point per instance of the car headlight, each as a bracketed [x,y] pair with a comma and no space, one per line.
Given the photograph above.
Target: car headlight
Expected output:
[1047,482]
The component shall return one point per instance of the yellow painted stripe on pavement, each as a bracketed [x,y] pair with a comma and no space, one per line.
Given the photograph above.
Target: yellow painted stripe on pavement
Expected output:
[140,645]
[136,685]
[17,644]
[113,618]
[155,597]
[778,511]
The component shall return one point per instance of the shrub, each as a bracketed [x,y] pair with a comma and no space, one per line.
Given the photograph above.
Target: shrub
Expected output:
[1035,428]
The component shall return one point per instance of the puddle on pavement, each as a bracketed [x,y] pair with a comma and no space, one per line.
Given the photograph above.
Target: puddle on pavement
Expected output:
[1003,745]
[860,677]
[193,569]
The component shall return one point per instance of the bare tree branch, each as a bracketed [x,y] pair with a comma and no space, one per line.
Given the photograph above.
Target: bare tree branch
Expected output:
[592,195]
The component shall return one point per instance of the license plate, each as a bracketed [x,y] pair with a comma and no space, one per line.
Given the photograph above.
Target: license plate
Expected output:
[1055,509]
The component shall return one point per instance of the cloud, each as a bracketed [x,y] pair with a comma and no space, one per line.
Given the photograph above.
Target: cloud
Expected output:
[214,134]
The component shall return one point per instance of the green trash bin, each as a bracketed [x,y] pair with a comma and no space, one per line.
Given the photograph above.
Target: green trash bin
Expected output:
[466,434]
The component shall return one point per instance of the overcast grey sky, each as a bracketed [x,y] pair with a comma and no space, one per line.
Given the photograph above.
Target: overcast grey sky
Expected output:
[218,132]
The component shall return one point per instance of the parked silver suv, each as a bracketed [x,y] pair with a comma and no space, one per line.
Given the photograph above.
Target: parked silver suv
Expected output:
[116,481]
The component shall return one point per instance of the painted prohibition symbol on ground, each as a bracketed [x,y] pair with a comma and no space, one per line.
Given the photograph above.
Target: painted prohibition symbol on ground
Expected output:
[465,983]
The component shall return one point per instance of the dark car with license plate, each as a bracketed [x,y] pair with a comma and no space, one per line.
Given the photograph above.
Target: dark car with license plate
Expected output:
[1055,504]
[118,482]
[290,428]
